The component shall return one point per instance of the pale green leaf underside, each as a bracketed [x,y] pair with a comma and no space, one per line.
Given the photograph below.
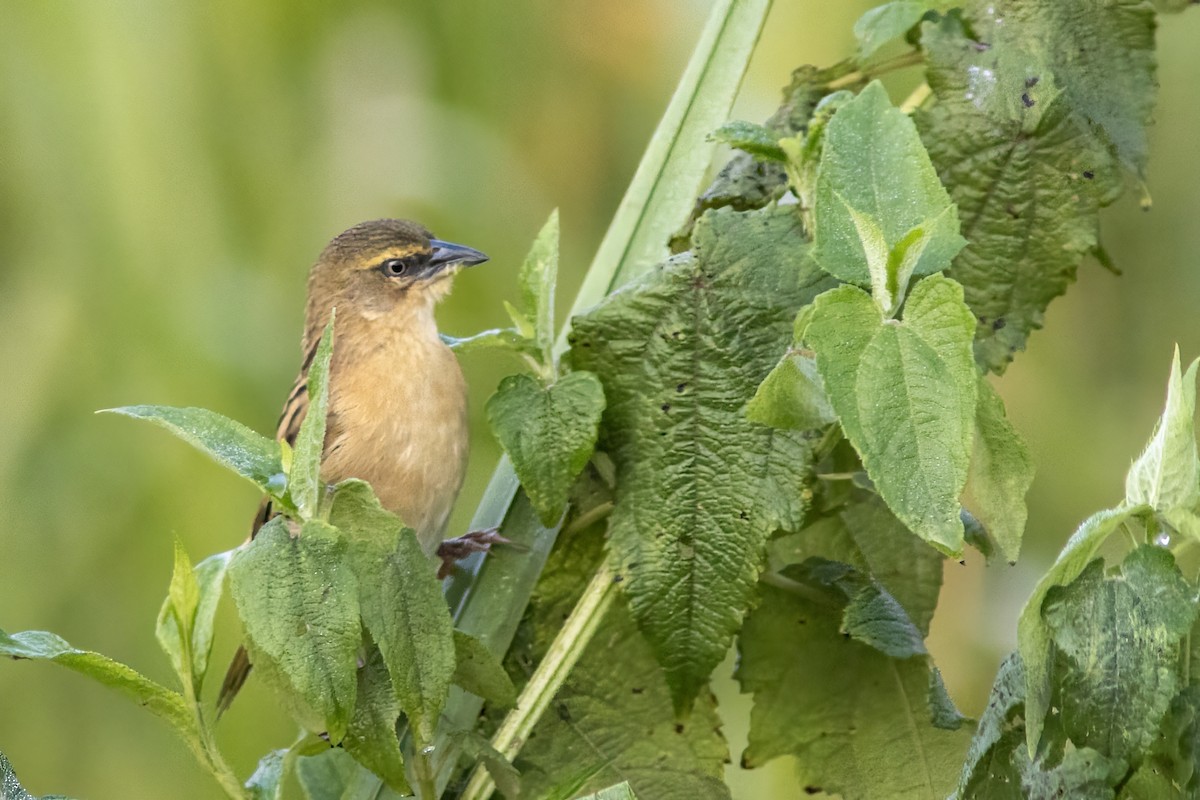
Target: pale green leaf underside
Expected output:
[1001,473]
[267,781]
[792,396]
[1166,476]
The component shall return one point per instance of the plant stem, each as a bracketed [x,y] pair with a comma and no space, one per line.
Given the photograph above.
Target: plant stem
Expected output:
[564,652]
[866,75]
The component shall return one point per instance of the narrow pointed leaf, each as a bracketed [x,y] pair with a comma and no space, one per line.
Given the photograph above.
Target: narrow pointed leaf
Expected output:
[479,671]
[267,781]
[1166,476]
[371,737]
[177,616]
[310,441]
[757,140]
[229,443]
[298,602]
[537,278]
[1000,475]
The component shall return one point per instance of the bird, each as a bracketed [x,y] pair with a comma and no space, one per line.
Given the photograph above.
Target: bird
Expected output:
[397,409]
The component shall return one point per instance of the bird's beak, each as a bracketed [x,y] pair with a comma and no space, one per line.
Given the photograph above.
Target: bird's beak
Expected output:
[446,254]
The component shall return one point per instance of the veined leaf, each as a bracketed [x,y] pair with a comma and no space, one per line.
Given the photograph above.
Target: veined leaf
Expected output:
[1001,473]
[905,394]
[185,622]
[548,432]
[699,486]
[479,671]
[231,444]
[1166,476]
[298,602]
[757,140]
[371,736]
[310,441]
[886,23]
[792,396]
[537,278]
[10,787]
[875,187]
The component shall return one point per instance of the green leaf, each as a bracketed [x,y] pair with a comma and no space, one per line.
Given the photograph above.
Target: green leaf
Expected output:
[1033,636]
[875,187]
[185,621]
[401,604]
[1122,652]
[371,736]
[1001,473]
[538,275]
[334,775]
[549,432]
[905,394]
[45,646]
[229,443]
[310,441]
[267,781]
[480,672]
[990,771]
[498,338]
[792,396]
[853,718]
[298,602]
[1027,172]
[885,23]
[699,486]
[612,718]
[1170,771]
[10,787]
[621,791]
[503,773]
[757,140]
[1166,476]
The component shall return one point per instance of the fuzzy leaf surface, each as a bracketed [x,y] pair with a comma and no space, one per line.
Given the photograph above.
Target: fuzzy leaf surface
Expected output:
[298,602]
[305,486]
[479,671]
[548,432]
[1166,476]
[699,486]
[267,781]
[792,396]
[537,279]
[905,394]
[1001,473]
[185,622]
[371,736]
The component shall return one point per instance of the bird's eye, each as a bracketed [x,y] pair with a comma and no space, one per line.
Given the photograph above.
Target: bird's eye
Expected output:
[395,267]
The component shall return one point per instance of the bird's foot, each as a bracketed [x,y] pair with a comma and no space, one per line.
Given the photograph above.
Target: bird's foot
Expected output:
[453,550]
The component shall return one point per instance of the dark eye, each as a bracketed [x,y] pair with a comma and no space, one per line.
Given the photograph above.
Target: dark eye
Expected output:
[395,267]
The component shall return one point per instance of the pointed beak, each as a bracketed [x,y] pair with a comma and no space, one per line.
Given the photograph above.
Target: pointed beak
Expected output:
[446,254]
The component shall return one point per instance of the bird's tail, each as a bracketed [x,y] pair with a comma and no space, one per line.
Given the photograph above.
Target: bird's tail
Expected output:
[235,676]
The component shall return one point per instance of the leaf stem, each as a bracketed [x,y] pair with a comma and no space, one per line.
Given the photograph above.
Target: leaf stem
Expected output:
[909,59]
[916,99]
[588,518]
[564,652]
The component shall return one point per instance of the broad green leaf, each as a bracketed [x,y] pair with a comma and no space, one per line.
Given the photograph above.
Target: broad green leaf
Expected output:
[371,737]
[1001,473]
[1121,652]
[1083,774]
[699,486]
[883,24]
[611,723]
[335,775]
[990,771]
[156,699]
[185,621]
[1170,771]
[874,188]
[548,432]
[853,718]
[792,396]
[401,604]
[1028,173]
[305,476]
[537,278]
[267,781]
[621,791]
[10,787]
[1033,636]
[231,444]
[1166,476]
[299,604]
[905,394]
[480,672]
[757,140]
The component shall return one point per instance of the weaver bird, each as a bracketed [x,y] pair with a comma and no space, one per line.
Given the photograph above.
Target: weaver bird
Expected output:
[397,415]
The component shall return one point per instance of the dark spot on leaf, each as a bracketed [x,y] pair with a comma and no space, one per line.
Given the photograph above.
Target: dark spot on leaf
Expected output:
[1026,100]
[743,515]
[982,320]
[563,712]
[998,324]
[618,578]
[1011,210]
[666,406]
[813,790]
[1087,173]
[679,727]
[638,690]
[746,763]
[1031,82]
[681,387]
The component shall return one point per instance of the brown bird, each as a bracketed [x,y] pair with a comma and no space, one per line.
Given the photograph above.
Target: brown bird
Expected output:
[397,414]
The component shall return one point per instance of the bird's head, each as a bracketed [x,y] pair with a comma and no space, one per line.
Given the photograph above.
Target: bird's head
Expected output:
[378,268]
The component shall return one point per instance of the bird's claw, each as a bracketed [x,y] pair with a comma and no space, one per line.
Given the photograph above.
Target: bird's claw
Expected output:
[453,550]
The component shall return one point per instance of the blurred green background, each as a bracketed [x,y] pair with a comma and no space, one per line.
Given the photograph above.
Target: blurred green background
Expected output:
[169,169]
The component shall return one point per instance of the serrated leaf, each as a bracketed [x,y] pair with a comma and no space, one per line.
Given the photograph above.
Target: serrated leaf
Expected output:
[757,140]
[231,444]
[371,736]
[1027,172]
[1121,651]
[305,477]
[401,603]
[853,718]
[537,278]
[267,781]
[45,646]
[1033,636]
[549,432]
[480,672]
[605,724]
[298,601]
[699,486]
[1001,473]
[1166,476]
[875,187]
[792,396]
[905,394]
